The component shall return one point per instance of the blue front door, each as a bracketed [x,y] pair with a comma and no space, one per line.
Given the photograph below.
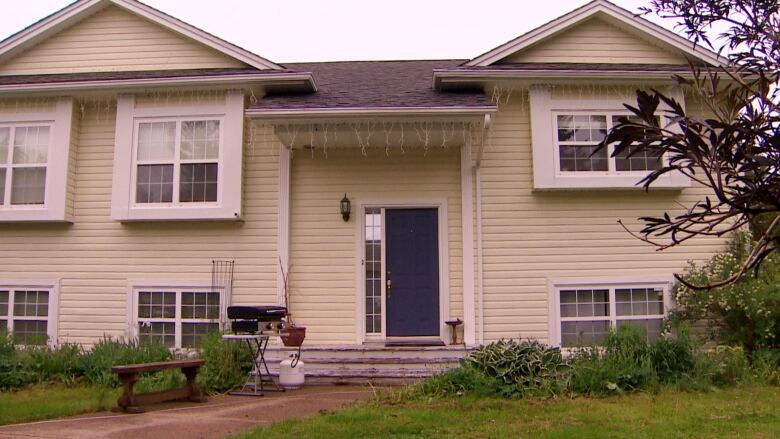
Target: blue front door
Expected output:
[412,294]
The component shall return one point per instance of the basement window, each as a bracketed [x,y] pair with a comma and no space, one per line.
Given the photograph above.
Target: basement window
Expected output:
[176,317]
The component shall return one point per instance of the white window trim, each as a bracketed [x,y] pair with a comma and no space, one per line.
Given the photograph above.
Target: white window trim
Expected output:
[228,205]
[52,320]
[547,175]
[134,286]
[59,119]
[554,285]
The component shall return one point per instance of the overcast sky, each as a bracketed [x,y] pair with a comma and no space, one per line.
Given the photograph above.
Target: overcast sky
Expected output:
[328,30]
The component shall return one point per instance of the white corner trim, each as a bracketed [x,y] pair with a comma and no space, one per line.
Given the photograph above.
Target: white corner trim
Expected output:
[583,13]
[56,191]
[228,206]
[53,318]
[556,283]
[467,213]
[543,144]
[283,227]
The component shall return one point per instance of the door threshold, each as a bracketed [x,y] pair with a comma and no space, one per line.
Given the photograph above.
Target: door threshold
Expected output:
[414,342]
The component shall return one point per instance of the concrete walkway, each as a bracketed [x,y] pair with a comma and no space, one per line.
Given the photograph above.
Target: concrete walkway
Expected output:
[221,416]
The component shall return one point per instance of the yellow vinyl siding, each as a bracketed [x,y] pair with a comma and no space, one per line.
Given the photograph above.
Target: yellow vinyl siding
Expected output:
[595,41]
[530,237]
[115,40]
[323,247]
[95,256]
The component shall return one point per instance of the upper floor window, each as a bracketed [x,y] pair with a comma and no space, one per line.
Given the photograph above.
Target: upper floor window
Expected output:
[565,133]
[177,161]
[578,136]
[24,151]
[34,157]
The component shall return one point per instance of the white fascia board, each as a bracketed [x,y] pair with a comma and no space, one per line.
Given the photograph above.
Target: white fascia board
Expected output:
[578,15]
[128,84]
[441,77]
[367,111]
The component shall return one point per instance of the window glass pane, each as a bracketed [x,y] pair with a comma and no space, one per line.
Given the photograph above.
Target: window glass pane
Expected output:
[198,183]
[4,296]
[639,301]
[154,184]
[200,140]
[31,145]
[631,159]
[156,141]
[192,333]
[28,185]
[565,128]
[157,332]
[583,333]
[651,327]
[157,304]
[5,137]
[30,332]
[200,305]
[581,158]
[373,270]
[2,185]
[584,303]
[31,303]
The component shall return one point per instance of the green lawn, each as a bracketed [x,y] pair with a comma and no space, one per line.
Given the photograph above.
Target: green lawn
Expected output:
[53,401]
[744,412]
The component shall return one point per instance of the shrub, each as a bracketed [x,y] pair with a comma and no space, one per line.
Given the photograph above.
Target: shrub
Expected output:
[746,313]
[523,368]
[54,364]
[95,364]
[461,380]
[227,364]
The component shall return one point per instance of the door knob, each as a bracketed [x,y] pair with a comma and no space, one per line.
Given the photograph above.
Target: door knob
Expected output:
[389,284]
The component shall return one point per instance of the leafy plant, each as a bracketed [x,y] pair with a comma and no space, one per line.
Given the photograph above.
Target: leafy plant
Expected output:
[526,367]
[96,363]
[227,364]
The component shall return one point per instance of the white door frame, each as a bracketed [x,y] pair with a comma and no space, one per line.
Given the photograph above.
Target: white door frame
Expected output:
[439,203]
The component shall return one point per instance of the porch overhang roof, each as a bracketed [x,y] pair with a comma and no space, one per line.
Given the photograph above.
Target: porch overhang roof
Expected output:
[364,112]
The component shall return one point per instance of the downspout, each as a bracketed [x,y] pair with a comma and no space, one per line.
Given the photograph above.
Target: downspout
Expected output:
[480,256]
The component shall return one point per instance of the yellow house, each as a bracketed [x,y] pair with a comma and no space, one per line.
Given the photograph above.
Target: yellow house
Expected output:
[395,196]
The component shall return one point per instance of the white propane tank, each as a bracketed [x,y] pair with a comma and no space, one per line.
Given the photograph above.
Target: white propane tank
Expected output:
[291,372]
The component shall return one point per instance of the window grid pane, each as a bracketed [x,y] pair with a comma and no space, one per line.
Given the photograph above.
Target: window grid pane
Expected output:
[28,185]
[31,145]
[200,140]
[578,138]
[198,182]
[4,297]
[651,327]
[631,160]
[157,305]
[192,333]
[158,332]
[31,303]
[154,184]
[584,332]
[30,332]
[584,303]
[373,262]
[156,141]
[639,301]
[200,305]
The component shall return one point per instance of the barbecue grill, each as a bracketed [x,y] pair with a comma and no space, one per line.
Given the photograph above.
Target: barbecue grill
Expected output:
[256,319]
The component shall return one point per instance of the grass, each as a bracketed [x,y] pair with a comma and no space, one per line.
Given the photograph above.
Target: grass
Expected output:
[53,401]
[747,412]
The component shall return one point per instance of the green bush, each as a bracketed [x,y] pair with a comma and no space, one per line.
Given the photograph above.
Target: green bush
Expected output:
[461,380]
[523,368]
[227,363]
[746,313]
[54,364]
[95,365]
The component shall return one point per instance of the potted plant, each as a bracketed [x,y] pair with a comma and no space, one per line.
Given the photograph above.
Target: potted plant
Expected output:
[292,335]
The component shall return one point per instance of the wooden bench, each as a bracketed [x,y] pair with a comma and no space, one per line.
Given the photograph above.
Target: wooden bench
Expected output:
[129,374]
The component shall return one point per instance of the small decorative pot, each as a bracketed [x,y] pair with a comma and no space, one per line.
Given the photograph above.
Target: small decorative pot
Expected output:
[292,336]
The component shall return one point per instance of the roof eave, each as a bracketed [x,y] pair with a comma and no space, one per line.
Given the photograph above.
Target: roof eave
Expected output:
[317,113]
[303,82]
[442,77]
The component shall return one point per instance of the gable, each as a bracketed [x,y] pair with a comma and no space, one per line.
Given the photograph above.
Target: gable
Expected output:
[595,41]
[113,39]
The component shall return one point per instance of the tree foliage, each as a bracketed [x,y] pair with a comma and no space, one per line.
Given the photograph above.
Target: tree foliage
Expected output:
[735,149]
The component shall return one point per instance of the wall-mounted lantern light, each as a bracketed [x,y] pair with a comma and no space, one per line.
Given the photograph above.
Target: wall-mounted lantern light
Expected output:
[346,208]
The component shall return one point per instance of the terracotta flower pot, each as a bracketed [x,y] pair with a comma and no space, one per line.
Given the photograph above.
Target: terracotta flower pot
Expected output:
[293,336]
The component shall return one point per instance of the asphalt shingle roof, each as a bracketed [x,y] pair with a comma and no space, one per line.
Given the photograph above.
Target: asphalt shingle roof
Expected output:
[374,84]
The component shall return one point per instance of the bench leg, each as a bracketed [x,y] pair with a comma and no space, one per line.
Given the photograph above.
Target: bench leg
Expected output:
[194,392]
[126,402]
